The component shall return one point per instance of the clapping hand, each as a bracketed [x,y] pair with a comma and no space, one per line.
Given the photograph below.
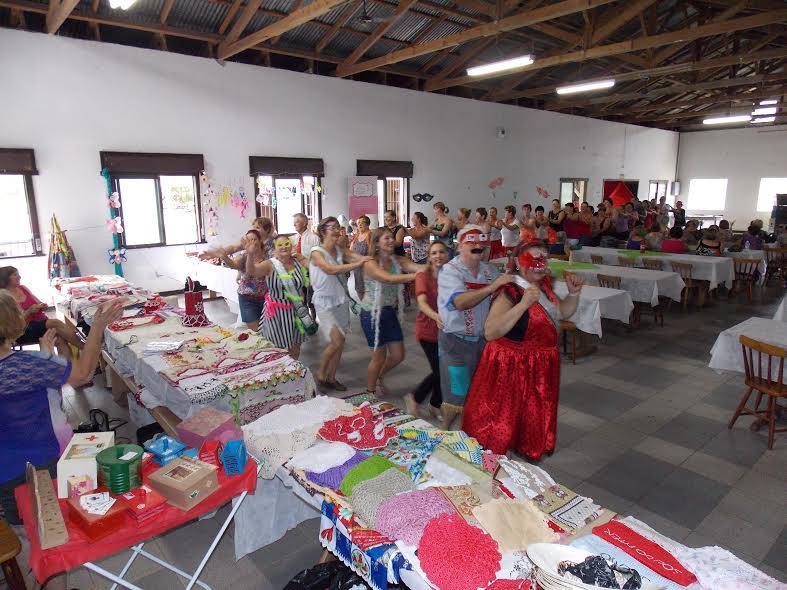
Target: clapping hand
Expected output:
[574,283]
[251,244]
[47,341]
[108,312]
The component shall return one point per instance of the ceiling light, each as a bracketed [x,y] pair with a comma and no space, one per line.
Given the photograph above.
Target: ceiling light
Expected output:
[499,66]
[764,120]
[765,111]
[730,119]
[585,87]
[769,101]
[122,4]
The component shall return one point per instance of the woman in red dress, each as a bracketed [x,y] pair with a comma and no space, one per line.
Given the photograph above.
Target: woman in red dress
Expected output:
[513,398]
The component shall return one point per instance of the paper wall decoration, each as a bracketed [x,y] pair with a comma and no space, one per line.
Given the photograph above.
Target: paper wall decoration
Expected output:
[62,263]
[209,205]
[542,192]
[362,195]
[114,225]
[496,182]
[117,255]
[113,199]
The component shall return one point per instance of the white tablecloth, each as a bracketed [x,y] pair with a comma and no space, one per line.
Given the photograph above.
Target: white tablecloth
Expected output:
[642,284]
[726,353]
[596,303]
[220,279]
[781,311]
[714,269]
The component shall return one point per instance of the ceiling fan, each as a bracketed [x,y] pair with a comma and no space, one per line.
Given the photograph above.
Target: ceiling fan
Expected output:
[365,19]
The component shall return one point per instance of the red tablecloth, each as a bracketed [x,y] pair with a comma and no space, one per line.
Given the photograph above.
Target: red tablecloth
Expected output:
[80,550]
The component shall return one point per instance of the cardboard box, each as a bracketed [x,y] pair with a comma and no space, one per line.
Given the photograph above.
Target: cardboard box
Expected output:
[208,424]
[79,458]
[80,484]
[185,482]
[143,503]
[96,526]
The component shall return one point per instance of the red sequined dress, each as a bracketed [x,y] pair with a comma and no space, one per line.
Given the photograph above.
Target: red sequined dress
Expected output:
[513,399]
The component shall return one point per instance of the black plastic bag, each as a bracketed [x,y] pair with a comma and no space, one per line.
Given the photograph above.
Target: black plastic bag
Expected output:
[333,575]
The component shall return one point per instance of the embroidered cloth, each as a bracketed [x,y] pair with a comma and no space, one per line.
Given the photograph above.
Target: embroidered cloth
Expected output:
[404,516]
[366,469]
[566,509]
[332,478]
[322,456]
[514,524]
[410,454]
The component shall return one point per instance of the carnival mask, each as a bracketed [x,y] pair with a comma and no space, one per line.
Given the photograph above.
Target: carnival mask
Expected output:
[533,263]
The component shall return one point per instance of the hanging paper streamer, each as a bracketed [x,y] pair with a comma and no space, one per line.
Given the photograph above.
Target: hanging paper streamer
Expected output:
[244,202]
[496,182]
[114,223]
[209,205]
[117,256]
[542,192]
[62,262]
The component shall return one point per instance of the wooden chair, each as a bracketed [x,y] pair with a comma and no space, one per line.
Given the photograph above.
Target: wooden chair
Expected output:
[567,328]
[652,263]
[776,263]
[769,382]
[608,281]
[745,275]
[596,259]
[626,261]
[559,257]
[9,549]
[685,269]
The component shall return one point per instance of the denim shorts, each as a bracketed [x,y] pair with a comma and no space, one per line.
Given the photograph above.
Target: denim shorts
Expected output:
[390,330]
[250,308]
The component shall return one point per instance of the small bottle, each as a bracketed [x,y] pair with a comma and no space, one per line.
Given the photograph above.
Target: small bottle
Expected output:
[746,245]
[642,246]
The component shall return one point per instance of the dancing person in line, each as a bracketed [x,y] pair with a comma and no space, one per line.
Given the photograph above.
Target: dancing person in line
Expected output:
[399,232]
[442,228]
[513,399]
[385,276]
[251,288]
[263,225]
[36,321]
[509,229]
[35,428]
[492,229]
[462,218]
[360,245]
[419,233]
[427,324]
[287,282]
[527,213]
[464,286]
[304,239]
[328,270]
[481,220]
[556,216]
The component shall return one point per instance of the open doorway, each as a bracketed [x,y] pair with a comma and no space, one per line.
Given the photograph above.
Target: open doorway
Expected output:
[571,188]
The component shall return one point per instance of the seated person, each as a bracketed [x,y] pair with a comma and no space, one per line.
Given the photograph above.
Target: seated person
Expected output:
[35,428]
[674,244]
[37,322]
[752,238]
[654,237]
[726,236]
[636,238]
[691,234]
[710,245]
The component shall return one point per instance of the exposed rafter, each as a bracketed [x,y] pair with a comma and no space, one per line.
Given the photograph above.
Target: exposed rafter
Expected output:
[619,16]
[379,31]
[508,23]
[58,13]
[343,19]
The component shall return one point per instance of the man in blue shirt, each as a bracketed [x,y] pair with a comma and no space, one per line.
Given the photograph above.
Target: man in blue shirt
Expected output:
[464,287]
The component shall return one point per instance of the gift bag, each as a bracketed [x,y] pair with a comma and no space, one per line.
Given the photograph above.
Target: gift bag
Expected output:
[195,310]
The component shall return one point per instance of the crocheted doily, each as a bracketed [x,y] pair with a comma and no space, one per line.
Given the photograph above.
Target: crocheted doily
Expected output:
[332,478]
[404,516]
[367,495]
[322,456]
[367,469]
[457,556]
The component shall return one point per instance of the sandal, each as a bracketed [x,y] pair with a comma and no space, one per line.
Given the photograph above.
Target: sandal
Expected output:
[383,389]
[338,386]
[325,385]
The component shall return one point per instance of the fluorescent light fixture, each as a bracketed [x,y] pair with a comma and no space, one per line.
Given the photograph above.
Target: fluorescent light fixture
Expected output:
[765,111]
[723,120]
[586,87]
[499,66]
[769,101]
[764,120]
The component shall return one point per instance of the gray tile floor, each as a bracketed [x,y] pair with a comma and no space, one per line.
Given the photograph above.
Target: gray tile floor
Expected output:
[642,430]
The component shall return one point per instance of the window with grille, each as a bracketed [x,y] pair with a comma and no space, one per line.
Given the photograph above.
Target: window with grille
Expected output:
[19,233]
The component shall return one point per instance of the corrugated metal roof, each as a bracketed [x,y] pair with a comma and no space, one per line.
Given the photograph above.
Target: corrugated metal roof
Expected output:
[199,15]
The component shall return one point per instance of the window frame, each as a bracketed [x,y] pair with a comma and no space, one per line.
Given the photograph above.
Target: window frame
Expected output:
[22,162]
[405,198]
[697,211]
[775,198]
[116,178]
[274,216]
[573,181]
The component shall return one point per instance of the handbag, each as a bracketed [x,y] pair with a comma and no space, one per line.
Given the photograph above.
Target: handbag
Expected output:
[195,309]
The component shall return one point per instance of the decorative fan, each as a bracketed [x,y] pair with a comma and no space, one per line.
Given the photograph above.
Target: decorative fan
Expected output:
[365,19]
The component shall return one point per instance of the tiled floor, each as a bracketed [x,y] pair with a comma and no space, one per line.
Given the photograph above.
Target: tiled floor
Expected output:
[642,430]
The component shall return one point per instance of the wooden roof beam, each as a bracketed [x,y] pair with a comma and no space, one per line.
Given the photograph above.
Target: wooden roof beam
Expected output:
[343,19]
[464,58]
[165,11]
[296,6]
[379,31]
[294,19]
[632,45]
[231,12]
[240,25]
[619,17]
[57,14]
[650,73]
[509,23]
[695,102]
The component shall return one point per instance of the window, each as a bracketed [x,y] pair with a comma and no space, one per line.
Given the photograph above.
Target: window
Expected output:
[573,187]
[769,188]
[159,211]
[292,185]
[393,185]
[707,194]
[19,234]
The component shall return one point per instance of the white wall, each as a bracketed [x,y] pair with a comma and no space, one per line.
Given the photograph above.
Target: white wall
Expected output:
[70,99]
[743,156]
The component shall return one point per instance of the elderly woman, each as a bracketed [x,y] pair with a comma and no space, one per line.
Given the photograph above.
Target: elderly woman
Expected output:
[34,428]
[284,320]
[360,245]
[251,289]
[710,245]
[513,398]
[36,321]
